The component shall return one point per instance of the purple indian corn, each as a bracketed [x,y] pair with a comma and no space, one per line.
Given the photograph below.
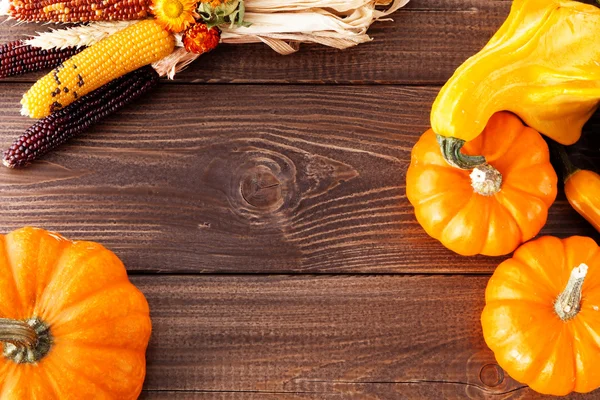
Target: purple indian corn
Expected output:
[68,122]
[17,58]
[78,10]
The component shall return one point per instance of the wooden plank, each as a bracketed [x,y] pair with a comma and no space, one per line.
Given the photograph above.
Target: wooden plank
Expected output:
[326,337]
[246,179]
[423,45]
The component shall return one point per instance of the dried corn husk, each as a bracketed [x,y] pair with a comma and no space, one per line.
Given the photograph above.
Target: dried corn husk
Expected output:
[270,6]
[78,36]
[176,62]
[334,23]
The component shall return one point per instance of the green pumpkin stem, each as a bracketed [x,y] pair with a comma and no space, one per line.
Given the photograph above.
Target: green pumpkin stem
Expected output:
[451,147]
[568,303]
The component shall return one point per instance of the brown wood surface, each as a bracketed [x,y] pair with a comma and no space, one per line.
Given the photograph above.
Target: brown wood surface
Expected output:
[265,218]
[321,337]
[280,179]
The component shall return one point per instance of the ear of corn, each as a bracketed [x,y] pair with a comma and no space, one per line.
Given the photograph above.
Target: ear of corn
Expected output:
[78,10]
[125,51]
[17,58]
[59,127]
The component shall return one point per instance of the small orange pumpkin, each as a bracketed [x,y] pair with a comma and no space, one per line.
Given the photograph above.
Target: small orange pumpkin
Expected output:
[582,188]
[72,326]
[494,207]
[542,315]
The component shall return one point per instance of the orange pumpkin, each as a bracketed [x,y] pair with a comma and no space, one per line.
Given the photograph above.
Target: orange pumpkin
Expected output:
[494,207]
[542,315]
[583,192]
[72,326]
[582,189]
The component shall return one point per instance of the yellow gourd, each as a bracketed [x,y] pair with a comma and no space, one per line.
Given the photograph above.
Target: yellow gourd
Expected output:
[543,65]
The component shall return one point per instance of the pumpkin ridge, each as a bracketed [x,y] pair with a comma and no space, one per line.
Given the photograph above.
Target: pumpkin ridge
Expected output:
[538,269]
[80,344]
[595,337]
[57,339]
[5,367]
[12,277]
[473,197]
[435,196]
[27,313]
[497,345]
[523,192]
[50,279]
[51,383]
[501,198]
[531,199]
[80,376]
[496,205]
[504,301]
[548,355]
[5,259]
[571,337]
[55,273]
[536,367]
[518,287]
[547,199]
[56,317]
[444,222]
[82,372]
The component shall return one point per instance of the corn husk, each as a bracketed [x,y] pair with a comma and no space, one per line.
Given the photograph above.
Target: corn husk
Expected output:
[340,6]
[176,62]
[78,36]
[283,25]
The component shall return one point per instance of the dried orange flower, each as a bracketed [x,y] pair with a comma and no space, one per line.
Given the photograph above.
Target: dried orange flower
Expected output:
[201,39]
[174,15]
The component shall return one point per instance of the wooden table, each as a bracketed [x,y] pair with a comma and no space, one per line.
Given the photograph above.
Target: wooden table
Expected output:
[259,203]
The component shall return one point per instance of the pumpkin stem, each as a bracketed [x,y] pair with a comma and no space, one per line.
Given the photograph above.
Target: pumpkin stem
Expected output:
[568,304]
[486,180]
[451,147]
[25,341]
[568,168]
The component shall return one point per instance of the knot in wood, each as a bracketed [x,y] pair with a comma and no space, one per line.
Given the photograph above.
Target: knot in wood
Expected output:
[263,186]
[261,189]
[491,375]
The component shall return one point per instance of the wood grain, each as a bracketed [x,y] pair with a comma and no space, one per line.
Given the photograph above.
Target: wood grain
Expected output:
[321,337]
[423,45]
[245,179]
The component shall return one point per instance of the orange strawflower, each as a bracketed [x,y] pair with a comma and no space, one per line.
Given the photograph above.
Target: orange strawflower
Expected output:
[201,39]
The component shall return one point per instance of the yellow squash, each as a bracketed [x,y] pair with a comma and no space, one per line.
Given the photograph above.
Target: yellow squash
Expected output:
[543,65]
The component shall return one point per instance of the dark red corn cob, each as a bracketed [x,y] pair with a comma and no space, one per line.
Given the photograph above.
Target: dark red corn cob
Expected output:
[62,125]
[17,58]
[78,10]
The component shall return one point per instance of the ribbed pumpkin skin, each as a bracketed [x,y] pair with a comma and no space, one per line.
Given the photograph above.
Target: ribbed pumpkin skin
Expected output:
[521,327]
[469,223]
[583,192]
[99,321]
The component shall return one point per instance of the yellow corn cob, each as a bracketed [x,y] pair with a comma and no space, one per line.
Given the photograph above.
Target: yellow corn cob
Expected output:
[125,51]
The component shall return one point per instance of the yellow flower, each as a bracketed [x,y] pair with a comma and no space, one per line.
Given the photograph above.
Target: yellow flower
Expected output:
[174,15]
